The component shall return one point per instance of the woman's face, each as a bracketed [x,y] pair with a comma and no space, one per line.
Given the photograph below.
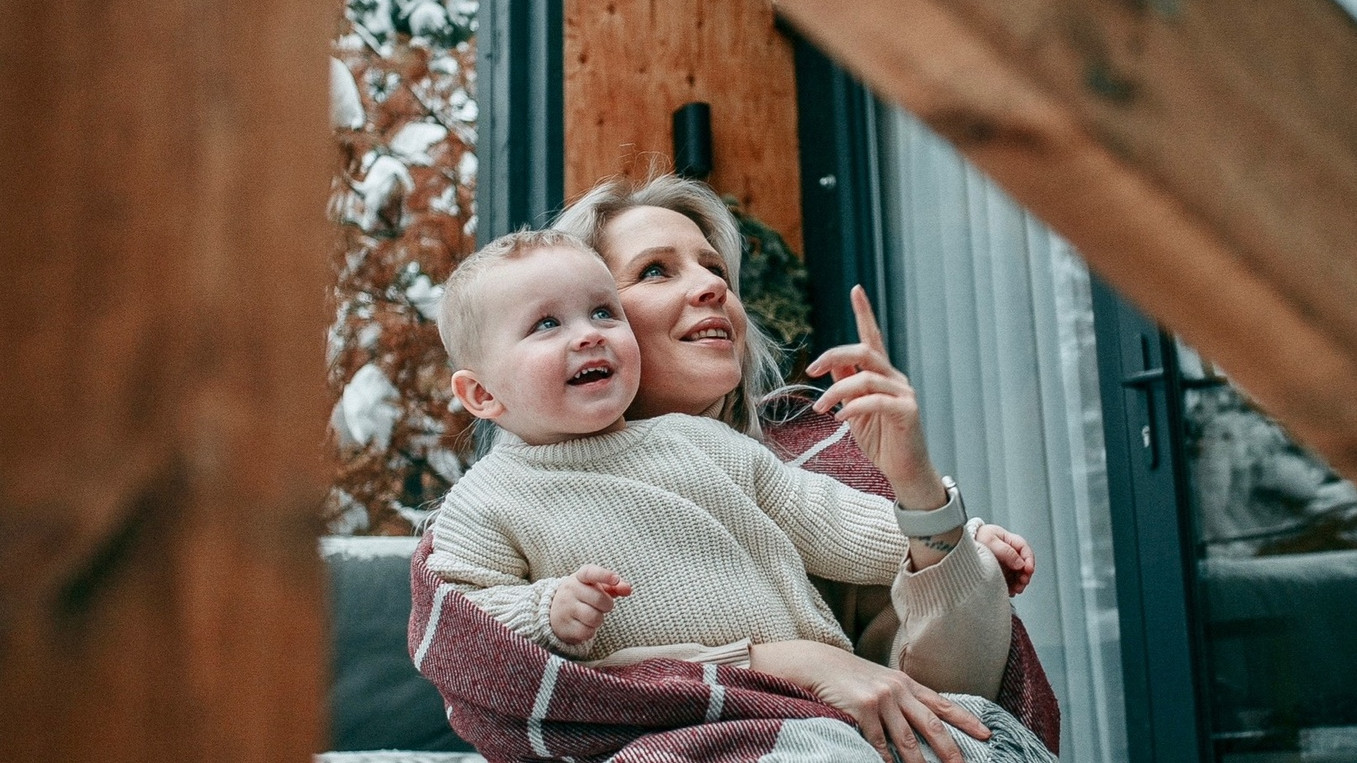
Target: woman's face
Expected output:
[689,324]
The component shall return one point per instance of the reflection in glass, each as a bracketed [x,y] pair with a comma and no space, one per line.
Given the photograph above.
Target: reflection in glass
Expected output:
[1277,548]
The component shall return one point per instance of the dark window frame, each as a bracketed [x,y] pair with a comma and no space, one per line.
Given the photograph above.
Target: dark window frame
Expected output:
[521,131]
[1157,601]
[841,218]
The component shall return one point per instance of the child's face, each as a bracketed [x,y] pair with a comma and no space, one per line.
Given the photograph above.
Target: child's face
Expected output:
[558,360]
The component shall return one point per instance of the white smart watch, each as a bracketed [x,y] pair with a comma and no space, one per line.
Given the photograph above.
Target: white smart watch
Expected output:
[922,524]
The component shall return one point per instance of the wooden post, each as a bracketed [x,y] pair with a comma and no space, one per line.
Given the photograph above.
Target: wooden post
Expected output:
[163,405]
[1201,156]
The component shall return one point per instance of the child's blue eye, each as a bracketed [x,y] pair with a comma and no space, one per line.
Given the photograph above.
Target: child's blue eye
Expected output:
[718,270]
[546,323]
[602,314]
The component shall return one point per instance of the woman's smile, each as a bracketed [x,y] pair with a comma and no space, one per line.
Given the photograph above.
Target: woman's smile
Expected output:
[717,329]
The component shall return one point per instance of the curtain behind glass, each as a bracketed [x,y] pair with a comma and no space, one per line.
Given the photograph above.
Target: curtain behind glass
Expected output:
[990,315]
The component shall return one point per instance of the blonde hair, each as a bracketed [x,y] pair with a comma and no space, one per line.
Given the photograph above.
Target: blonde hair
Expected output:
[591,213]
[459,319]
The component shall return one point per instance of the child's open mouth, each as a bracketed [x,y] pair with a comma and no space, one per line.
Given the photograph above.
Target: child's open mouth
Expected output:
[590,375]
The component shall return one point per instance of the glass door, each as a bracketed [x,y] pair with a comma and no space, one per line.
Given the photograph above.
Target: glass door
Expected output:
[1276,559]
[1151,535]
[1236,561]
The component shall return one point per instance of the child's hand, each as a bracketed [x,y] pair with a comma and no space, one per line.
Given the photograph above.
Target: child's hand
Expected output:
[1014,555]
[582,600]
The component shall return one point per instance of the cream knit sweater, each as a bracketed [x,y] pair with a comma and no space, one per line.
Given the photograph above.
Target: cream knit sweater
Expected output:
[714,533]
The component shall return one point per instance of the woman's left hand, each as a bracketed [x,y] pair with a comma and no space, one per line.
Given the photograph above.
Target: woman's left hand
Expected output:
[879,404]
[886,703]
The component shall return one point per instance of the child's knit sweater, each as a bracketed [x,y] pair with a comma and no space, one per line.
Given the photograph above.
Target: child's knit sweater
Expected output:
[714,533]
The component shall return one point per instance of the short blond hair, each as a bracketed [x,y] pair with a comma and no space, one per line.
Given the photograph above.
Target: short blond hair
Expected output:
[460,318]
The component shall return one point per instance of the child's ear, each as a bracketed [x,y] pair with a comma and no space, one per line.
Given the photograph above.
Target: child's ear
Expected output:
[474,396]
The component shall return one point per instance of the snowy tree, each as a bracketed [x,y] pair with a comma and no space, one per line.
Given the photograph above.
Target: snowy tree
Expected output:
[403,111]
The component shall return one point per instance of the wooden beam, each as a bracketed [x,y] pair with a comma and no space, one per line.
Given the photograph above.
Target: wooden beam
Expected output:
[1202,157]
[163,305]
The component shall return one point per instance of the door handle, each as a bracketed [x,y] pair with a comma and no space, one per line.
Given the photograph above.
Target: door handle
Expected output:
[1144,381]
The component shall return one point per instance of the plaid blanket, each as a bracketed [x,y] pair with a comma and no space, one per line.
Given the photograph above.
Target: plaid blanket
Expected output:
[513,700]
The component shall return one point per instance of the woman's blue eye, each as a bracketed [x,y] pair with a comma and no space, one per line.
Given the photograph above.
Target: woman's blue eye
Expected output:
[652,271]
[602,314]
[546,323]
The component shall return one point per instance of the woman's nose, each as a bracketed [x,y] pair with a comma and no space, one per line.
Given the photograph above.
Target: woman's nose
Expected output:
[708,287]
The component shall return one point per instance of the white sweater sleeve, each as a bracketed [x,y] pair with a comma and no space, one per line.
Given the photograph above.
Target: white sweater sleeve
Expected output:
[956,621]
[472,555]
[955,615]
[841,533]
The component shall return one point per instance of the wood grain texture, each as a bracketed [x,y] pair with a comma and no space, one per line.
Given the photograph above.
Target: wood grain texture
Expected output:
[164,407]
[1203,163]
[630,64]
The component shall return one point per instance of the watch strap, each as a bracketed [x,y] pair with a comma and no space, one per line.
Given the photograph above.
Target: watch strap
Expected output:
[923,524]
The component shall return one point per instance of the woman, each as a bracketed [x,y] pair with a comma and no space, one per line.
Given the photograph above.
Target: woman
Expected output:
[675,250]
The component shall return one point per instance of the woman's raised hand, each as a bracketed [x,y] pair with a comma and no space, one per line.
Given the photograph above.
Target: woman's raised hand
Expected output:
[887,704]
[879,404]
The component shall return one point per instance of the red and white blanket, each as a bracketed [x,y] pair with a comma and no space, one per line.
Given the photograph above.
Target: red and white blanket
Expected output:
[513,700]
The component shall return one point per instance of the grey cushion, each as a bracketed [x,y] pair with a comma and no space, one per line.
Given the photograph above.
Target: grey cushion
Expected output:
[377,699]
[1281,628]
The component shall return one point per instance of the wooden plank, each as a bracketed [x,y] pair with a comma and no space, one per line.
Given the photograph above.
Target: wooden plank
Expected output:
[630,64]
[164,404]
[1204,164]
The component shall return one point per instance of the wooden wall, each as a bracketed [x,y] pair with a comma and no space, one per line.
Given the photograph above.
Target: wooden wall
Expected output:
[629,64]
[163,404]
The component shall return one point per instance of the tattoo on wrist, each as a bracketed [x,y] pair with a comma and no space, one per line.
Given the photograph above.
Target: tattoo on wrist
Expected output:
[935,543]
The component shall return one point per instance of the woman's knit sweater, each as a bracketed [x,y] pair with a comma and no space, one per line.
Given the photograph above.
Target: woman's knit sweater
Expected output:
[715,534]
